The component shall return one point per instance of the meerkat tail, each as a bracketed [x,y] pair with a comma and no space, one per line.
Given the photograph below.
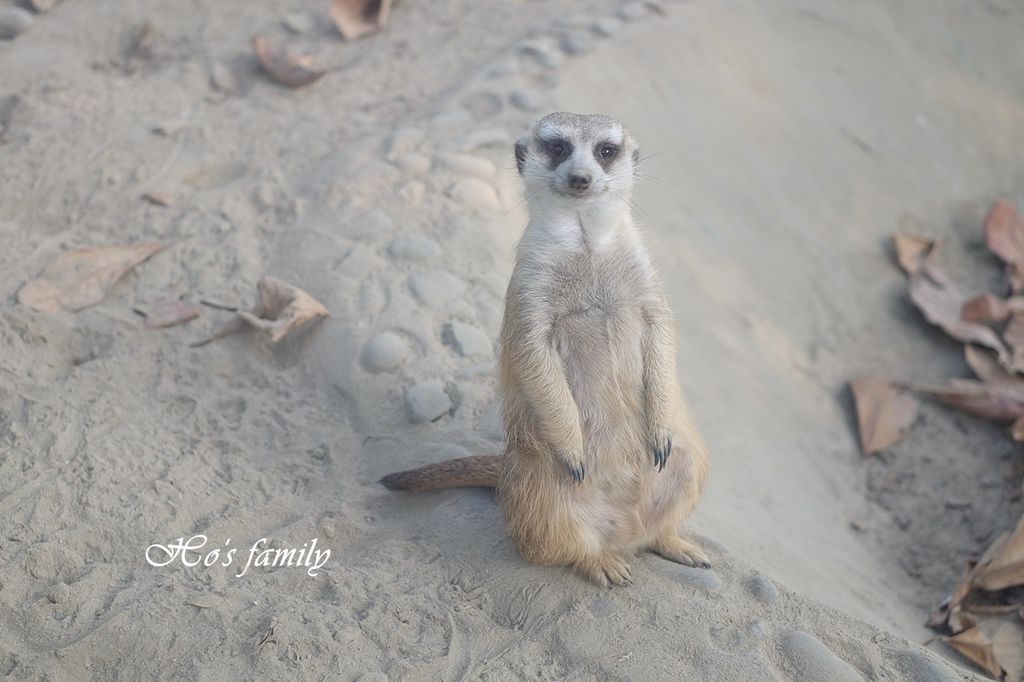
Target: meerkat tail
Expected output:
[466,472]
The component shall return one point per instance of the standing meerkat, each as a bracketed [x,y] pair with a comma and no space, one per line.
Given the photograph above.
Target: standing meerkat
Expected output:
[602,456]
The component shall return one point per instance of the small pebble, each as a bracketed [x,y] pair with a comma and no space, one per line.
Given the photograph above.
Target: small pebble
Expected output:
[59,593]
[466,164]
[454,119]
[224,79]
[607,27]
[427,401]
[763,589]
[475,193]
[299,22]
[600,608]
[372,224]
[576,42]
[436,287]
[384,353]
[14,21]
[403,141]
[701,578]
[506,67]
[414,247]
[466,339]
[812,660]
[541,53]
[491,137]
[632,11]
[414,163]
[527,100]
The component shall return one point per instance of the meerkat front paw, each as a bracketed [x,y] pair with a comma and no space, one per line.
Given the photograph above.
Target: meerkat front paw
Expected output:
[573,462]
[606,570]
[661,444]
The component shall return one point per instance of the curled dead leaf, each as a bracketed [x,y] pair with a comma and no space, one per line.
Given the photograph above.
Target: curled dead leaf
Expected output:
[283,66]
[357,18]
[1005,568]
[941,303]
[82,278]
[974,645]
[912,250]
[159,198]
[984,308]
[997,401]
[170,313]
[281,309]
[884,412]
[1004,234]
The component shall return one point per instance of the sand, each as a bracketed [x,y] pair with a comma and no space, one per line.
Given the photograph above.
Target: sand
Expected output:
[787,140]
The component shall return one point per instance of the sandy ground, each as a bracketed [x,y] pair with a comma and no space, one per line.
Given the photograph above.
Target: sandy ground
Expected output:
[788,140]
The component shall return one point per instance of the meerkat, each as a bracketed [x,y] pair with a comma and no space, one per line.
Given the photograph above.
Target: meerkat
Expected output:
[603,459]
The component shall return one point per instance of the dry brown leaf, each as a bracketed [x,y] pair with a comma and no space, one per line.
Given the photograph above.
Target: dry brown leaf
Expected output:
[285,67]
[357,18]
[1006,567]
[281,309]
[884,412]
[170,313]
[941,303]
[1004,234]
[987,367]
[974,645]
[1008,649]
[997,401]
[912,250]
[82,278]
[984,308]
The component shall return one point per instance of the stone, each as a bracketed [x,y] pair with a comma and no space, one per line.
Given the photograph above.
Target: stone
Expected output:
[414,163]
[372,224]
[427,401]
[631,11]
[13,22]
[466,339]
[412,193]
[917,666]
[436,287]
[701,578]
[384,353]
[223,79]
[812,660]
[526,99]
[576,42]
[467,164]
[476,194]
[763,589]
[541,53]
[488,137]
[608,27]
[414,247]
[403,141]
[59,593]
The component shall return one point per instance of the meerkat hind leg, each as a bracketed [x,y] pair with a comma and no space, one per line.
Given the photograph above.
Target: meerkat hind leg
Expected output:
[605,569]
[680,550]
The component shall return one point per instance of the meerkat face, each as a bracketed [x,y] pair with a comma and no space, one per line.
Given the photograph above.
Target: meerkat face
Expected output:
[577,157]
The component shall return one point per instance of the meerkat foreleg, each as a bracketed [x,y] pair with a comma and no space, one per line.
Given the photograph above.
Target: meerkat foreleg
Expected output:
[659,351]
[542,379]
[680,550]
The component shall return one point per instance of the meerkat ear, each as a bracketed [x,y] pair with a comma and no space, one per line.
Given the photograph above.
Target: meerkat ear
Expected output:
[521,144]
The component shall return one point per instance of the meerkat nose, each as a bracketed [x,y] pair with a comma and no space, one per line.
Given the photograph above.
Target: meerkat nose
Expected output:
[579,181]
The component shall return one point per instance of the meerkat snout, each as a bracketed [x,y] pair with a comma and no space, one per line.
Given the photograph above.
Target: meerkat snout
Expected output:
[577,156]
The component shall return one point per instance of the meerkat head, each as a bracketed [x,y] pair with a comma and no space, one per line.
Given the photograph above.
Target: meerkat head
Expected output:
[577,158]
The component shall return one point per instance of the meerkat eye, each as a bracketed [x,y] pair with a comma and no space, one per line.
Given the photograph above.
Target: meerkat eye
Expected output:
[608,151]
[556,148]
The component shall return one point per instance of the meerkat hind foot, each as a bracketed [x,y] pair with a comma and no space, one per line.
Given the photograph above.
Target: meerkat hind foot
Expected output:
[675,548]
[606,570]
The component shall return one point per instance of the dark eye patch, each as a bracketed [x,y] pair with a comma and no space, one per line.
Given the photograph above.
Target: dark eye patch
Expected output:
[557,151]
[606,152]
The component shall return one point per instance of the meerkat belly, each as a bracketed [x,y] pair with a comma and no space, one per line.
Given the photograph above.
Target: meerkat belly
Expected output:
[601,352]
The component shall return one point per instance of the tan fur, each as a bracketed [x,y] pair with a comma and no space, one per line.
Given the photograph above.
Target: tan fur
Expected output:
[587,376]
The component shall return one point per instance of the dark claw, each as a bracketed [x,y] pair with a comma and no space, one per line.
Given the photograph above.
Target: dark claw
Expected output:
[661,455]
[577,474]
